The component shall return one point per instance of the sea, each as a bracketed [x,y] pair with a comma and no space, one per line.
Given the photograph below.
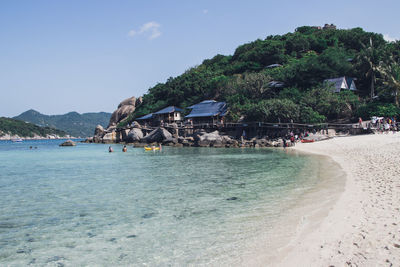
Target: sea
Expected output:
[84,206]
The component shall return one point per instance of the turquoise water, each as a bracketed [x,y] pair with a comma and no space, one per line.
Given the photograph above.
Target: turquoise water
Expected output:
[81,205]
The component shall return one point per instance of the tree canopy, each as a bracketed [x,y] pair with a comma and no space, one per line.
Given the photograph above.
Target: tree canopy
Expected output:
[301,61]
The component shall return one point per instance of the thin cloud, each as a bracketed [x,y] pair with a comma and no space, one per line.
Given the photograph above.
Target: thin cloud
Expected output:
[205,11]
[152,27]
[389,38]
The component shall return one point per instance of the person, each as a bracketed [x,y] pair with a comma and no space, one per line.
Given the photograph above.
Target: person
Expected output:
[124,149]
[30,147]
[292,140]
[110,149]
[284,143]
[360,122]
[159,146]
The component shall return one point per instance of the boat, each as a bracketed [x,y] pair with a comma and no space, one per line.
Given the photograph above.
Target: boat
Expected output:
[151,148]
[18,140]
[307,140]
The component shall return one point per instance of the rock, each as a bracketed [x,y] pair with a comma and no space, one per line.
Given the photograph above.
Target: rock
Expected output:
[109,137]
[170,141]
[158,135]
[135,124]
[68,143]
[99,131]
[131,101]
[134,135]
[204,139]
[139,101]
[125,108]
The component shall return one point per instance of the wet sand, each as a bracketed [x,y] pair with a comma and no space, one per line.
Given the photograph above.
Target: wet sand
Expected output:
[363,226]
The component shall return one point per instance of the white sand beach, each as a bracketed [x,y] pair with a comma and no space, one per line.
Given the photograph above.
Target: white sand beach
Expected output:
[363,226]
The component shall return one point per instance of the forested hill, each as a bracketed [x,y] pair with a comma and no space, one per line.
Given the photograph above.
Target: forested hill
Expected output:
[24,129]
[75,124]
[308,56]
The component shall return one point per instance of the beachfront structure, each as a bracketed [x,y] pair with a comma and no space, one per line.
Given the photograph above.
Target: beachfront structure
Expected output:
[342,83]
[146,119]
[208,111]
[169,114]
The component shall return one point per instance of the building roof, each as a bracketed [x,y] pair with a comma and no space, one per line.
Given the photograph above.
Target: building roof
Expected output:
[146,117]
[276,84]
[168,110]
[208,108]
[273,66]
[345,83]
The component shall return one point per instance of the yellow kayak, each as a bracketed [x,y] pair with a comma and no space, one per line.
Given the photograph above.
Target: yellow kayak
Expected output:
[150,148]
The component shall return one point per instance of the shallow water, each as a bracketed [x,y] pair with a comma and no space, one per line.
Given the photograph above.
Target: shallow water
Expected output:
[181,206]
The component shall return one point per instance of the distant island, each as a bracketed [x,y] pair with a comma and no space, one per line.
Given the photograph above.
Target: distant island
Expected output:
[73,123]
[12,128]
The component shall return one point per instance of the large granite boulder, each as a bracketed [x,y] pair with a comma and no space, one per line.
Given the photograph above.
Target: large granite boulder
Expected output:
[208,139]
[109,137]
[125,108]
[134,135]
[99,131]
[158,135]
[131,101]
[68,143]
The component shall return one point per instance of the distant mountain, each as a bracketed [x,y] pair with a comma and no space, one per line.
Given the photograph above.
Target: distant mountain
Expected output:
[75,124]
[14,127]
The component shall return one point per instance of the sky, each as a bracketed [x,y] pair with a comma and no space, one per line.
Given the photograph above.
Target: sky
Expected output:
[87,56]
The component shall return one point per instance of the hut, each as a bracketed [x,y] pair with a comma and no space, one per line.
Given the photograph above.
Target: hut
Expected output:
[169,114]
[342,83]
[208,111]
[146,119]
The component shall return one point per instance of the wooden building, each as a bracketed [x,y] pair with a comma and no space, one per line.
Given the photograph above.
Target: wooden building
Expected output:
[342,83]
[207,111]
[168,115]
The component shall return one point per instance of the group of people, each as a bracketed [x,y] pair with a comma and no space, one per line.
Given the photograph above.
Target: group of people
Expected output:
[384,124]
[125,149]
[110,149]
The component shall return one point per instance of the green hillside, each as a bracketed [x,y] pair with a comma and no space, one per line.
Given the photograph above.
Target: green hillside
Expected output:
[25,129]
[75,124]
[308,56]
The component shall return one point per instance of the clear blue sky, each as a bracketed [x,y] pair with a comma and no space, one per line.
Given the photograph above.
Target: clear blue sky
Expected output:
[61,56]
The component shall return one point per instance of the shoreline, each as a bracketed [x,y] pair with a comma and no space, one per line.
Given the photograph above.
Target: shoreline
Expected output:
[361,229]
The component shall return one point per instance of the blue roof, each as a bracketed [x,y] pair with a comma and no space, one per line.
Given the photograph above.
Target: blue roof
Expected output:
[274,66]
[208,108]
[168,110]
[146,117]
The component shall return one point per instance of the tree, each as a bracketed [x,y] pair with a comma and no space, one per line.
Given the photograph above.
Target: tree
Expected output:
[369,58]
[391,74]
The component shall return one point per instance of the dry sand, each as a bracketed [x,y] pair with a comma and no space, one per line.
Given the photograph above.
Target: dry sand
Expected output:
[363,227]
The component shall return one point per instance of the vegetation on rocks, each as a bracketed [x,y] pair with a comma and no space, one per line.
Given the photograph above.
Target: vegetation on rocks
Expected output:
[307,57]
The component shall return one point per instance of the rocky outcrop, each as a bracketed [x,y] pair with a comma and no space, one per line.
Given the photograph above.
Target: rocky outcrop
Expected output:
[68,143]
[109,137]
[134,135]
[158,135]
[125,108]
[99,131]
[203,139]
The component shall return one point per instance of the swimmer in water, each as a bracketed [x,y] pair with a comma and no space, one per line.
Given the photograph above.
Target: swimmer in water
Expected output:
[124,149]
[110,149]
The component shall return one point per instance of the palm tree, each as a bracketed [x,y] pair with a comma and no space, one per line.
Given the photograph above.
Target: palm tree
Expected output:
[369,57]
[391,75]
